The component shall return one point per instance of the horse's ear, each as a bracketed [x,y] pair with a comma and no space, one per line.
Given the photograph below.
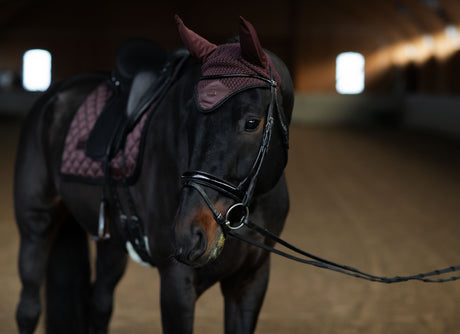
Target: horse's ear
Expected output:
[197,45]
[251,49]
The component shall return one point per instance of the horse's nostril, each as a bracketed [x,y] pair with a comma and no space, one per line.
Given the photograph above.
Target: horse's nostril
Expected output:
[199,244]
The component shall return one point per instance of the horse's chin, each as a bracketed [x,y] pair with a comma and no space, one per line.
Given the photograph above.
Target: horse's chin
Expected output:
[216,248]
[213,252]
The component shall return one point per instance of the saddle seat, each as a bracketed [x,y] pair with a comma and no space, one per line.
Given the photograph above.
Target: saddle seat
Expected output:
[137,65]
[143,72]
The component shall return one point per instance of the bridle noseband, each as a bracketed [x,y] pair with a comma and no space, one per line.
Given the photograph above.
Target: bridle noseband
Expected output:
[237,214]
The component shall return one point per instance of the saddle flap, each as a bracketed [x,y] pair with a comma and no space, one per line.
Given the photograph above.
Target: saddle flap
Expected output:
[141,84]
[107,133]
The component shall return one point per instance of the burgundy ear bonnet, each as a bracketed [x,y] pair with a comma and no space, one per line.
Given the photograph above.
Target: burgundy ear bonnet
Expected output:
[245,57]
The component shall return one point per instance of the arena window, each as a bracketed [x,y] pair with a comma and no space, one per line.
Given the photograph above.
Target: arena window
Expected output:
[349,73]
[36,70]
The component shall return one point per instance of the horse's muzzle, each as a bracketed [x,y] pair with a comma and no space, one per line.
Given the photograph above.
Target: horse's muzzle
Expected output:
[198,239]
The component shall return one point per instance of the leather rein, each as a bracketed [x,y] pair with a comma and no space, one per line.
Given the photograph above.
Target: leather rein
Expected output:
[237,215]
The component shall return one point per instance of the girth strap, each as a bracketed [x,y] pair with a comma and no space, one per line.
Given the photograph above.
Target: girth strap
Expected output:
[131,224]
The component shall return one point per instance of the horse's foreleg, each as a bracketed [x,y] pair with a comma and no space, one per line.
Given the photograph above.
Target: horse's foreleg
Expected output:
[110,267]
[178,297]
[244,294]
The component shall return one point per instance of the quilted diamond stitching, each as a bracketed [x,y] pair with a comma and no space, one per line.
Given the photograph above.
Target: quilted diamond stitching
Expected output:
[75,162]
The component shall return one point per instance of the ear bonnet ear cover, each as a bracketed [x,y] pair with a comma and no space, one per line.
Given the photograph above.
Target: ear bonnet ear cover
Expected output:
[245,57]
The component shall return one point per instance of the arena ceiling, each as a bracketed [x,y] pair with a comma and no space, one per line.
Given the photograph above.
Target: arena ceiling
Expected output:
[308,35]
[394,17]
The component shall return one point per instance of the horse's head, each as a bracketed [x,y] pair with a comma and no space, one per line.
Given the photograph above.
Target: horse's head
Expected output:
[237,138]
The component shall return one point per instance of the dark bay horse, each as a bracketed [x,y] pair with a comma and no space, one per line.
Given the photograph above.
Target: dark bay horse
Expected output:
[212,158]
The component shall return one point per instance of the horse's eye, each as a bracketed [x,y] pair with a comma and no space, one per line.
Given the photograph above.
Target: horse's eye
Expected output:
[252,124]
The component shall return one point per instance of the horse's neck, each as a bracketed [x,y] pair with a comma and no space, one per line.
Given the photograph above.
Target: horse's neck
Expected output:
[168,128]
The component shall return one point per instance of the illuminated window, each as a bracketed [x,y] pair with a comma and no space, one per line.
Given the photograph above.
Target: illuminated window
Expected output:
[453,35]
[36,70]
[349,73]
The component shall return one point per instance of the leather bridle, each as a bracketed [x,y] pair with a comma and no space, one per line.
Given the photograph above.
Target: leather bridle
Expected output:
[237,214]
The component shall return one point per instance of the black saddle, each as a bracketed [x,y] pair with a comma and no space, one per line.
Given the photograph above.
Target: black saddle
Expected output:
[142,75]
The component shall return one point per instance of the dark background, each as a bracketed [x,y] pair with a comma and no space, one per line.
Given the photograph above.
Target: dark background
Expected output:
[84,35]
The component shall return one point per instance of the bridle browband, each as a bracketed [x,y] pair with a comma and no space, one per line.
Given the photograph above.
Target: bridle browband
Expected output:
[238,214]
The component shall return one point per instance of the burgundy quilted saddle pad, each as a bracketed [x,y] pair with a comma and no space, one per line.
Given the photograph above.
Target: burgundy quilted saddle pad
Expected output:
[76,166]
